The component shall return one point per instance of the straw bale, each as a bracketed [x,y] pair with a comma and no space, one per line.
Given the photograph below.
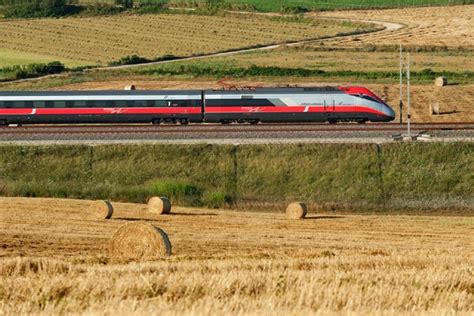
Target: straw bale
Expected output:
[139,241]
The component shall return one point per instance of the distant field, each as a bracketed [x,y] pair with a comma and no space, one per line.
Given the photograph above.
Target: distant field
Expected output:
[449,26]
[288,5]
[98,40]
[309,58]
[276,5]
[54,261]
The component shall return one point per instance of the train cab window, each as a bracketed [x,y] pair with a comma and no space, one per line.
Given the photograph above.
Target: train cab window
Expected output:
[368,98]
[39,104]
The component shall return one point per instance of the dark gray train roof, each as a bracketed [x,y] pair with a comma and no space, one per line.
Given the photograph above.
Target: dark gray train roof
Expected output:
[316,90]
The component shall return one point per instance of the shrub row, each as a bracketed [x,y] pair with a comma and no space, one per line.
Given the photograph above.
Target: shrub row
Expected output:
[255,71]
[33,70]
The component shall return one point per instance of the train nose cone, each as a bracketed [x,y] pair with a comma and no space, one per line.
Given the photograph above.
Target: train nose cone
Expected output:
[390,113]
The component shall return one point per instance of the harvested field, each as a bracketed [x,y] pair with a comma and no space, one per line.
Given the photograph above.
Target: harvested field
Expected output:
[310,58]
[98,40]
[53,261]
[430,26]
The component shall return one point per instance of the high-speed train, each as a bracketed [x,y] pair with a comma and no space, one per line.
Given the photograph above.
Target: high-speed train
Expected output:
[322,104]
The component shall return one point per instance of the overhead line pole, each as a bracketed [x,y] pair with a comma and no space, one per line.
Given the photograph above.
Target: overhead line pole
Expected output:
[401,84]
[408,95]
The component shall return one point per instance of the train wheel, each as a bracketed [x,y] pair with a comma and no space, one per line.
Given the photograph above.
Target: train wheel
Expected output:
[3,123]
[184,122]
[363,121]
[331,121]
[253,122]
[155,121]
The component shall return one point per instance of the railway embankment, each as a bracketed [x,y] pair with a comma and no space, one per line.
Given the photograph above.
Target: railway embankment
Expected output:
[339,177]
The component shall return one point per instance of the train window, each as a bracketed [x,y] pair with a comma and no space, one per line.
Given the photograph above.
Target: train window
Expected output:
[238,102]
[121,103]
[29,104]
[8,104]
[160,103]
[59,104]
[100,104]
[2,104]
[18,104]
[180,103]
[39,104]
[69,104]
[140,103]
[49,104]
[80,104]
[194,103]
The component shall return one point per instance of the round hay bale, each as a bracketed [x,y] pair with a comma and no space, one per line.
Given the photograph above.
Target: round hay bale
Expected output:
[441,81]
[103,209]
[296,210]
[139,241]
[159,205]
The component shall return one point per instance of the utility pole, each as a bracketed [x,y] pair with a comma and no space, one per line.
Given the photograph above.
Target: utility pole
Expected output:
[401,84]
[408,95]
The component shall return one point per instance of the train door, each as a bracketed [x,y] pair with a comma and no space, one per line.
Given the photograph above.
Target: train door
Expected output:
[330,108]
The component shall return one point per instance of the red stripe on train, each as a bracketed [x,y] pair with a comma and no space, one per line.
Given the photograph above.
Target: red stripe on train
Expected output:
[101,111]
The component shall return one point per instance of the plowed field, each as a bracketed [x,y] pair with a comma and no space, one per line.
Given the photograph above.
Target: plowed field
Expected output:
[53,260]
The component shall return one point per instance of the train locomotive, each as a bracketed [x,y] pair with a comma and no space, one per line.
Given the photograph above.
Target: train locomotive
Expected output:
[266,105]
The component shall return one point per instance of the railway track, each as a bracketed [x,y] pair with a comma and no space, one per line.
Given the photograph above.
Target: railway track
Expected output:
[230,133]
[234,128]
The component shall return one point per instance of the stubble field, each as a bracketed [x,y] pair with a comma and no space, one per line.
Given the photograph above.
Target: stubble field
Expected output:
[449,26]
[98,40]
[53,260]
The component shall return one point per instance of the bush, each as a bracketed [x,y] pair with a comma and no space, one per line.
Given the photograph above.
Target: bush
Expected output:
[34,70]
[130,60]
[38,8]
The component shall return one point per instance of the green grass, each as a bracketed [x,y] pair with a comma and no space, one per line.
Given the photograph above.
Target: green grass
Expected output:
[340,176]
[288,5]
[10,58]
[226,68]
